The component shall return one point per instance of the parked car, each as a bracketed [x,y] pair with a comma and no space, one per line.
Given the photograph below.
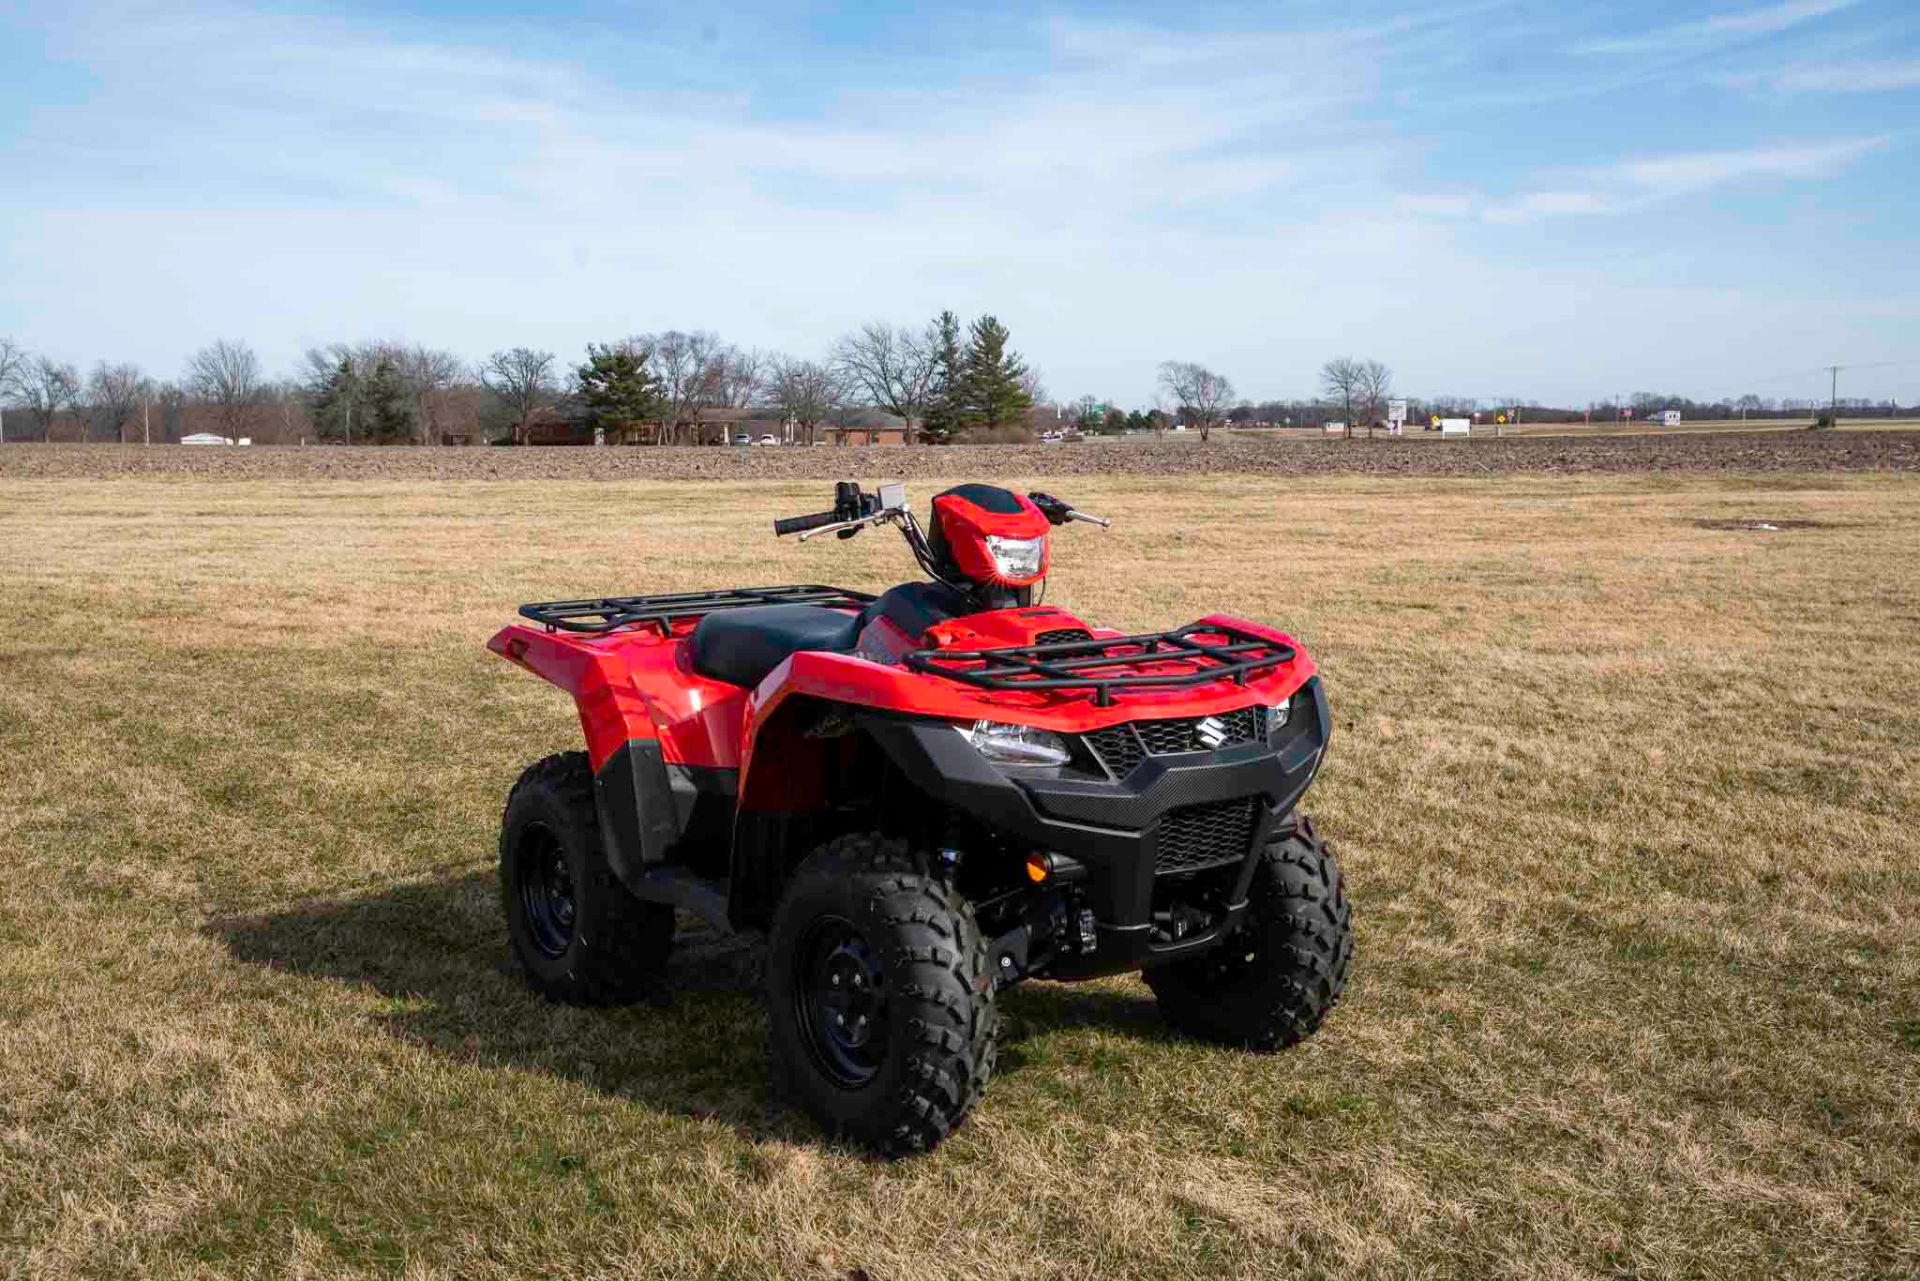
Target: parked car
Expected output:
[743,439]
[769,439]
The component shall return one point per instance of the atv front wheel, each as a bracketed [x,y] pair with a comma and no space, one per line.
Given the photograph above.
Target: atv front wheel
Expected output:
[581,936]
[880,1009]
[1270,983]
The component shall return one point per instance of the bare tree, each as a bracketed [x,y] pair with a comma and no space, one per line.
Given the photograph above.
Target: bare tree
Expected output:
[737,374]
[1340,380]
[523,380]
[49,389]
[1203,394]
[1372,382]
[288,399]
[1034,387]
[806,392]
[690,369]
[13,363]
[897,369]
[170,398]
[114,393]
[226,376]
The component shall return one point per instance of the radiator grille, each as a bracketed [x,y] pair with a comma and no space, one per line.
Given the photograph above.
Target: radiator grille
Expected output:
[1162,738]
[1122,747]
[1118,748]
[1196,836]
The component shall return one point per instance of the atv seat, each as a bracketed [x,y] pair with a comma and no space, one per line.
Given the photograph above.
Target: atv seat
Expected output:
[740,646]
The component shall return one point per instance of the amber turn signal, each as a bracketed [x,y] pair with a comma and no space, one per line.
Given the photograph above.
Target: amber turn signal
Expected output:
[1039,868]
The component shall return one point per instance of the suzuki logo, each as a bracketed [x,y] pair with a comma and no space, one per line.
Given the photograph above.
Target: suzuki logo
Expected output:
[1211,731]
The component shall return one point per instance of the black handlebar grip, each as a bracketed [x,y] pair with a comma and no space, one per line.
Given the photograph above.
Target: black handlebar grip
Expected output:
[801,524]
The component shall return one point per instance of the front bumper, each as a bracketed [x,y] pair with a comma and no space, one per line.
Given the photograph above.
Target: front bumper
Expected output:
[1112,828]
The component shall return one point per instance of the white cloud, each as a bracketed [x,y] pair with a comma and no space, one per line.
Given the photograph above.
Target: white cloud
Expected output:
[1635,184]
[1720,27]
[1830,77]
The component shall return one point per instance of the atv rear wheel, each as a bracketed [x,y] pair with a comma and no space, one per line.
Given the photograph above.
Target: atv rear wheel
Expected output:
[581,936]
[1270,983]
[880,1007]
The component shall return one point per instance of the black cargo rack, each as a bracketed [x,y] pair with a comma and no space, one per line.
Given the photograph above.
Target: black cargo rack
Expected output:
[612,612]
[1094,664]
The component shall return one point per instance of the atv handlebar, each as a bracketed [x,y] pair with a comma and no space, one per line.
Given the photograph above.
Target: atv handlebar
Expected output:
[800,524]
[1059,513]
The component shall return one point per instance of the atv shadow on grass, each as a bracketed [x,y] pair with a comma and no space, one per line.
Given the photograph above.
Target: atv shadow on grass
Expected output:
[439,953]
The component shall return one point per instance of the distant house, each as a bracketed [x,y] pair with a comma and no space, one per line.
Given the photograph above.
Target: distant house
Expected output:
[866,436]
[866,427]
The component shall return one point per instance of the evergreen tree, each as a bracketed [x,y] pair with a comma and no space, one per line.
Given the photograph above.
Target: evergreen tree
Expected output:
[390,408]
[946,410]
[620,392]
[336,404]
[994,394]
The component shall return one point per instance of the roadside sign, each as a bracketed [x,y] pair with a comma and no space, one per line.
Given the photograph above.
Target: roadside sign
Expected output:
[1499,418]
[1396,411]
[1433,420]
[1455,427]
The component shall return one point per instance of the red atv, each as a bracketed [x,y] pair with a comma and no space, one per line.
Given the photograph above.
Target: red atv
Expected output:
[922,798]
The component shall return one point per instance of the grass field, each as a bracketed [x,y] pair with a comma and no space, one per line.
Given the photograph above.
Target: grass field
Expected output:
[1627,808]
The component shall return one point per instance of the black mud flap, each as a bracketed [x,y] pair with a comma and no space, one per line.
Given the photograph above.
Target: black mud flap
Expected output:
[647,808]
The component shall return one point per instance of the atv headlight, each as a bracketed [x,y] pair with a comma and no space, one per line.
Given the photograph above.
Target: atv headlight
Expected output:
[1015,744]
[1277,714]
[1016,557]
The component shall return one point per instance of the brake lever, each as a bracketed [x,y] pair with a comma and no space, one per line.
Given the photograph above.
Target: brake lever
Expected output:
[847,528]
[842,527]
[1101,521]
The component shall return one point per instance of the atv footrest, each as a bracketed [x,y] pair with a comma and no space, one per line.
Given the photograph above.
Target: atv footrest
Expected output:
[609,613]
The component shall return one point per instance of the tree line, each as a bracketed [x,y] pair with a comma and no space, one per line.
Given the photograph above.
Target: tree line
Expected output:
[943,381]
[940,381]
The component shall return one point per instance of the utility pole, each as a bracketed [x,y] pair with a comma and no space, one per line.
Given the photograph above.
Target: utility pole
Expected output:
[1833,397]
[146,425]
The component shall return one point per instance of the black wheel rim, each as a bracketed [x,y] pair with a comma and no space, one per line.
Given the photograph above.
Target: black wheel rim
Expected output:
[840,998]
[546,891]
[1237,956]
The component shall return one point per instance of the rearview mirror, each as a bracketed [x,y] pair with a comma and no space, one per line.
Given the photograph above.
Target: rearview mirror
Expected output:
[893,498]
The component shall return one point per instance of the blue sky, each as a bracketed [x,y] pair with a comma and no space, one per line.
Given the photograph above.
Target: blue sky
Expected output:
[1551,202]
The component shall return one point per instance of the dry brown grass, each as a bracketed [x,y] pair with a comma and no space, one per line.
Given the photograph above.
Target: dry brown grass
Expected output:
[1627,807]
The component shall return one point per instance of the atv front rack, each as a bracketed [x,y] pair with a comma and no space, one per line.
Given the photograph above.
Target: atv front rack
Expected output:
[612,612]
[1110,666]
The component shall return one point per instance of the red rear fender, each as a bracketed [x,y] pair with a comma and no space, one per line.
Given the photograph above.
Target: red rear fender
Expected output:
[629,685]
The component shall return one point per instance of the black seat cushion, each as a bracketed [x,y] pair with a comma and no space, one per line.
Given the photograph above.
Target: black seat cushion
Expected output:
[740,646]
[914,607]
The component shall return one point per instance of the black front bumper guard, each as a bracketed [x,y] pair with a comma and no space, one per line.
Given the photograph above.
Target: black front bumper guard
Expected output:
[1112,829]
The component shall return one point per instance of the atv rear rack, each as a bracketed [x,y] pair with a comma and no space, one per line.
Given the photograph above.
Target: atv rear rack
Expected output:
[610,613]
[1099,665]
